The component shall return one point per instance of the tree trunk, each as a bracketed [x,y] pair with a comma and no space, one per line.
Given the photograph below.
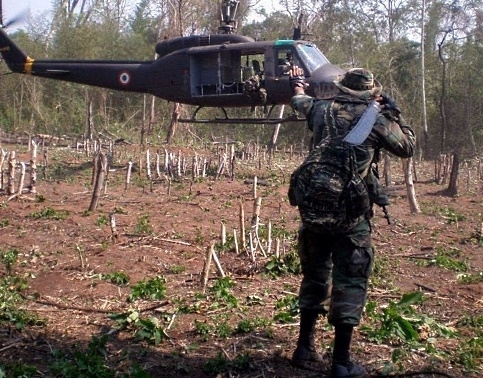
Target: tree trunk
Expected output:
[443,96]
[411,192]
[174,122]
[452,189]
[101,165]
[423,81]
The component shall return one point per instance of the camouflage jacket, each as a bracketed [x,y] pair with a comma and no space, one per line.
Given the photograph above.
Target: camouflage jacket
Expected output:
[395,137]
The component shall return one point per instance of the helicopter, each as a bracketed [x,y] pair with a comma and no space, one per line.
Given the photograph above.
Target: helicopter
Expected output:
[223,70]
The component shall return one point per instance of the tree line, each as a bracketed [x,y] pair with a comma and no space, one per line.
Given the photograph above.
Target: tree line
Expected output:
[426,53]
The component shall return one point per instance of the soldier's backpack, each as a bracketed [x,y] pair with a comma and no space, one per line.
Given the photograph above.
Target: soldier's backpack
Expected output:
[330,194]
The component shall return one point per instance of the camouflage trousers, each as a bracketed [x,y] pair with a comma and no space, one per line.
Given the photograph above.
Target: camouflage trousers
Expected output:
[336,270]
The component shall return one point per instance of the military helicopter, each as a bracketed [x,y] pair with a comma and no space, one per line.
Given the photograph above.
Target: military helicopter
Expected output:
[223,70]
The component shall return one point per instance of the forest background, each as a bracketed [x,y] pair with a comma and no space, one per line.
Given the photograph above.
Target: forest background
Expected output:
[427,54]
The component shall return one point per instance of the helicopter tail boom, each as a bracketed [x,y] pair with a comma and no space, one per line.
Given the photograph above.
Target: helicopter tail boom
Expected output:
[128,76]
[16,59]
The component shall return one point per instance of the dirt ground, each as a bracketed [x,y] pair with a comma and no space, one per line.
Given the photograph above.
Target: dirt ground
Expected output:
[166,229]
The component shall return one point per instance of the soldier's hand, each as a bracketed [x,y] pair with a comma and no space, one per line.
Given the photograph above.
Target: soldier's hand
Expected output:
[297,78]
[389,104]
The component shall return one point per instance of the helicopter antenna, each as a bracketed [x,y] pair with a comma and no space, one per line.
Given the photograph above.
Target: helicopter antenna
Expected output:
[228,12]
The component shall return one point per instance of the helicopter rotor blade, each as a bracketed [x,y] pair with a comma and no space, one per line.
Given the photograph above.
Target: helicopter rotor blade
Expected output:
[17,19]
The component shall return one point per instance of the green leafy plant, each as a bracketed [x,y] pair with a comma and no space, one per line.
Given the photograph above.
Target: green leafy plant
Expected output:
[144,329]
[449,259]
[469,278]
[450,215]
[117,278]
[49,213]
[219,364]
[221,290]
[203,329]
[8,259]
[10,300]
[251,324]
[400,321]
[153,289]
[176,269]
[287,264]
[470,351]
[287,309]
[18,370]
[89,363]
[102,220]
[143,225]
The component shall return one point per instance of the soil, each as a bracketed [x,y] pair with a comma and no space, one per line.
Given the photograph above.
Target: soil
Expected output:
[166,228]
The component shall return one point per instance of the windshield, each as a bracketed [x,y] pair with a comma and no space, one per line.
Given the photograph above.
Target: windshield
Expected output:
[311,56]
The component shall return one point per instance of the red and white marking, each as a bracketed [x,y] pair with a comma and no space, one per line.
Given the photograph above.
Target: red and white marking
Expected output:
[124,78]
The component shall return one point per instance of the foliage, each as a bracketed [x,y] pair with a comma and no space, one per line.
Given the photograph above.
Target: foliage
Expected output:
[399,322]
[468,278]
[152,289]
[143,225]
[289,263]
[222,293]
[88,363]
[449,259]
[287,309]
[49,213]
[144,329]
[10,300]
[102,220]
[219,364]
[8,258]
[18,370]
[117,278]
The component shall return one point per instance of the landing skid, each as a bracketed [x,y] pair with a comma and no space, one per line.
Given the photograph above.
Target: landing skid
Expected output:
[248,120]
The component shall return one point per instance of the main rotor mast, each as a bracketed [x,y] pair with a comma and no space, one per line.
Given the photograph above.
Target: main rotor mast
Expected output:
[228,13]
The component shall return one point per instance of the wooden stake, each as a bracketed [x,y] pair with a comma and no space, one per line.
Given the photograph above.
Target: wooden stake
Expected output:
[235,240]
[255,179]
[217,263]
[148,166]
[223,234]
[128,175]
[269,237]
[22,179]
[99,182]
[2,161]
[11,173]
[33,168]
[112,222]
[206,267]
[242,226]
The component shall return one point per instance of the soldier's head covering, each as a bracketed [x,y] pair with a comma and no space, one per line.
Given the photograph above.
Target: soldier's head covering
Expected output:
[358,82]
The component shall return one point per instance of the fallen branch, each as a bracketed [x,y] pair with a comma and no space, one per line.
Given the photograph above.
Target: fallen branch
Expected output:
[90,309]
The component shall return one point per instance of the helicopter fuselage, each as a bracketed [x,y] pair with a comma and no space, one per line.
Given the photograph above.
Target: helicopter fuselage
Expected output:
[222,70]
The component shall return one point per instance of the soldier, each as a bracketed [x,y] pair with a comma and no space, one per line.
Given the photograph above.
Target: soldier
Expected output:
[336,266]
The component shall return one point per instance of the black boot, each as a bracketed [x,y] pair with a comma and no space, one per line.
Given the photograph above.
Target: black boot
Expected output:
[305,355]
[342,366]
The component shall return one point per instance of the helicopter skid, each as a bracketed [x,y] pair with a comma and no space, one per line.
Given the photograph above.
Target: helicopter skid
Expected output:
[246,121]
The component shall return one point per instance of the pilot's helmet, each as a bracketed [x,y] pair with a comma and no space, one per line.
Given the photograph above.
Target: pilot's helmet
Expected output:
[358,81]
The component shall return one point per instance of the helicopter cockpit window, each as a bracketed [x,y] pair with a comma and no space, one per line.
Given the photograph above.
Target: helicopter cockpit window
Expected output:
[311,56]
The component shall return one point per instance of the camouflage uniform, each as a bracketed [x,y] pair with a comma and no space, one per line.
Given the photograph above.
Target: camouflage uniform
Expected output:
[345,259]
